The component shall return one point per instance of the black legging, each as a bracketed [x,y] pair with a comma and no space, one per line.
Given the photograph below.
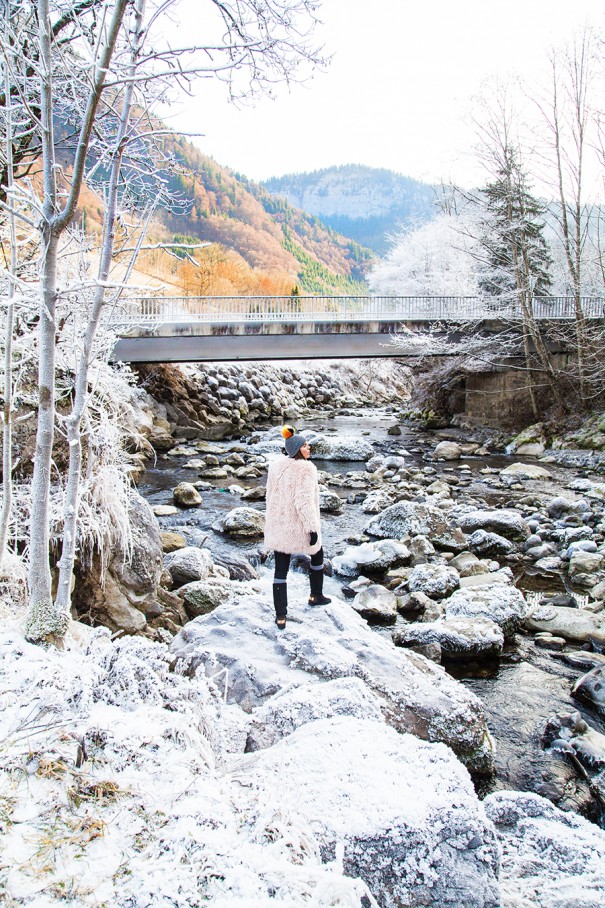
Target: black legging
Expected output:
[282,563]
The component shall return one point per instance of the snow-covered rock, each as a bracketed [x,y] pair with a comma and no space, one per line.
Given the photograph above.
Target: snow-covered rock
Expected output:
[327,643]
[459,638]
[483,542]
[288,710]
[339,447]
[244,522]
[407,518]
[119,593]
[330,502]
[549,858]
[376,501]
[188,564]
[399,813]
[376,604]
[505,521]
[436,580]
[202,596]
[373,557]
[505,605]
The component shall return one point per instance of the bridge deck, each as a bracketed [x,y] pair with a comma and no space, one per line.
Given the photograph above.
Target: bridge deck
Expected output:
[198,329]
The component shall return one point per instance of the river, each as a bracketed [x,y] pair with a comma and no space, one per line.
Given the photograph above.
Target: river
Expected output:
[519,691]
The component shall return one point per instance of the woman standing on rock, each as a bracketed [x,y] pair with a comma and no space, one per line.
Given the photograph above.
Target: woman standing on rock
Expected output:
[292,520]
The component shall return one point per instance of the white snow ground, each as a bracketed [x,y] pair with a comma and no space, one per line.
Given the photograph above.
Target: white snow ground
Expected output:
[124,785]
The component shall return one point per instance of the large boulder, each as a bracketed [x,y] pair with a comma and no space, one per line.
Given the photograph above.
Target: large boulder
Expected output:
[505,605]
[287,711]
[505,521]
[459,638]
[332,642]
[408,518]
[550,858]
[119,596]
[570,623]
[399,813]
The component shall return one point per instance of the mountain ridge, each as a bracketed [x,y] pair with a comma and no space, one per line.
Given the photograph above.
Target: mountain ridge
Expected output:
[366,203]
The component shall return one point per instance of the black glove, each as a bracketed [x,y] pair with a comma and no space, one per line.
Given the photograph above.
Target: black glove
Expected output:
[312,538]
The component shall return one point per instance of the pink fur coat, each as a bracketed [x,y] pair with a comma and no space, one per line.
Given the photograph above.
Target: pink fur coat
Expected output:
[292,507]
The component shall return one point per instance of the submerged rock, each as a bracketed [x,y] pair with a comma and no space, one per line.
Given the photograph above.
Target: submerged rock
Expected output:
[591,688]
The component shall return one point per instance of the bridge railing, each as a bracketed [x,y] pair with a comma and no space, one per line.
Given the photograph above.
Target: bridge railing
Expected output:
[224,309]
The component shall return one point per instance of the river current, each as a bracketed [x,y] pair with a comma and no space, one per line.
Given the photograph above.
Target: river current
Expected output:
[519,692]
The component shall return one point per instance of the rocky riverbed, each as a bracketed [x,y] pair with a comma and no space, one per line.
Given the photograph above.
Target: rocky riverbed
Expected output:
[482,554]
[431,737]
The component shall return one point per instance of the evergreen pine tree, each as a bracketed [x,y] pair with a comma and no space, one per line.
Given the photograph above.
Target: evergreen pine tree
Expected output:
[517,256]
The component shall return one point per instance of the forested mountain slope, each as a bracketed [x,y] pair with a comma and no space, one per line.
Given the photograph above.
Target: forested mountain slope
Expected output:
[261,244]
[365,203]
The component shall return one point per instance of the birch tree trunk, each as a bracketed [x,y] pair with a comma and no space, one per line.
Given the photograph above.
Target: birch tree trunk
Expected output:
[41,622]
[45,619]
[74,421]
[7,424]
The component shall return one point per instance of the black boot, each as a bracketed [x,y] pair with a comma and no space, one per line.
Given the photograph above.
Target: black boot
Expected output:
[316,579]
[280,601]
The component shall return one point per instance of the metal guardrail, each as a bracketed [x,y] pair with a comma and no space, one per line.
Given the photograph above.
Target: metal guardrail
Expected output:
[225,309]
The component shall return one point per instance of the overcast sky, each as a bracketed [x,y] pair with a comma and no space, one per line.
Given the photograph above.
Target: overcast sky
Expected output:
[397,93]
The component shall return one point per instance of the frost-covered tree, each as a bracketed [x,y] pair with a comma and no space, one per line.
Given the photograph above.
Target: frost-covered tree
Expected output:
[107,57]
[568,109]
[437,259]
[517,258]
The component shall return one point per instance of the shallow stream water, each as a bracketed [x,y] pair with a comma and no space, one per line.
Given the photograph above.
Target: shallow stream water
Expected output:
[519,692]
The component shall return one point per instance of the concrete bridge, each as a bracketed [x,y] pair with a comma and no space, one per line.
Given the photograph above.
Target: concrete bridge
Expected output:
[206,329]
